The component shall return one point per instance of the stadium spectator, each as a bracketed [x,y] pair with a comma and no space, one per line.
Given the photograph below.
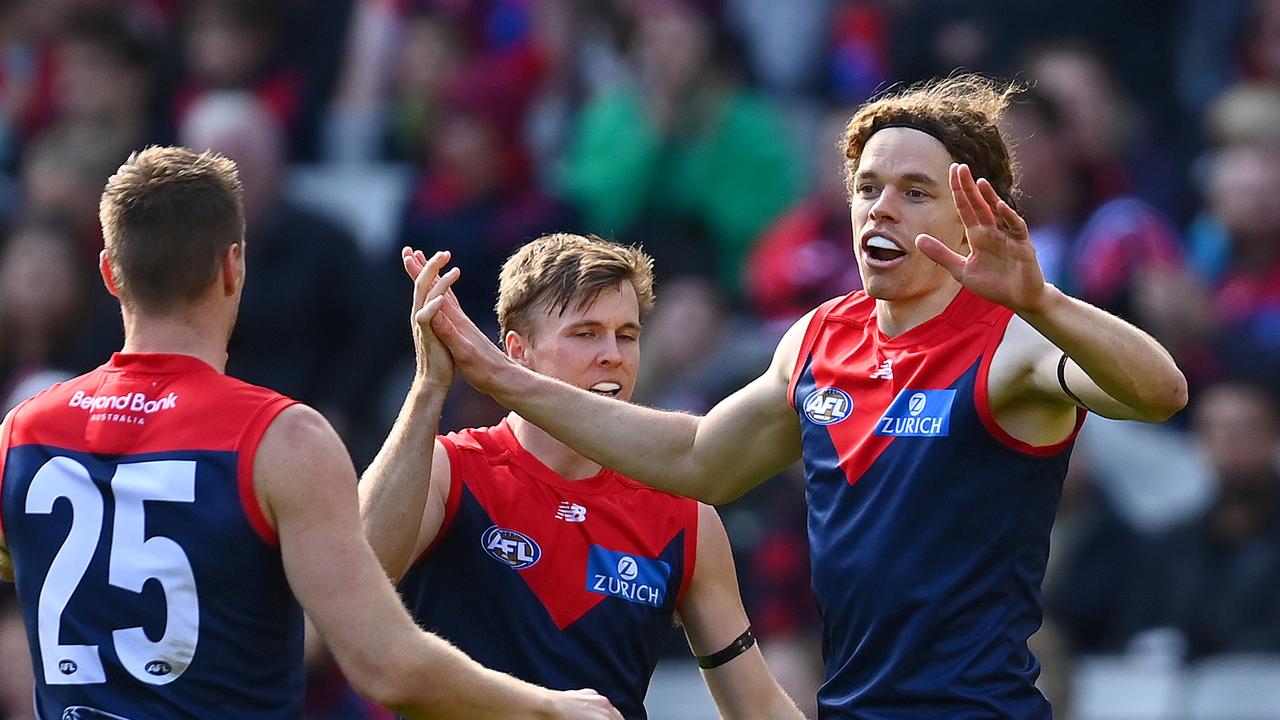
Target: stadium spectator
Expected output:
[687,152]
[1216,579]
[311,290]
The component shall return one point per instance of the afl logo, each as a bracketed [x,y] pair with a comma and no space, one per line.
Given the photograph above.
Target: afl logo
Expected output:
[826,406]
[510,547]
[68,667]
[158,668]
[627,569]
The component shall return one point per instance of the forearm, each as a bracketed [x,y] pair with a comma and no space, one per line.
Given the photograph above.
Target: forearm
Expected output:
[395,489]
[1122,360]
[658,449]
[440,681]
[749,691]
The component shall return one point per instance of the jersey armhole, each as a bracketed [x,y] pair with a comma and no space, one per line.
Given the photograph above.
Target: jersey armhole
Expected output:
[982,401]
[450,504]
[690,550]
[5,441]
[806,345]
[246,451]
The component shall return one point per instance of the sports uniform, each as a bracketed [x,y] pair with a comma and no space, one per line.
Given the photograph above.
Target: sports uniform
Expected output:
[928,523]
[150,582]
[563,583]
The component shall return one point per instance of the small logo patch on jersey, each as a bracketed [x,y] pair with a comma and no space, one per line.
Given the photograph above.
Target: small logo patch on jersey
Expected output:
[511,547]
[68,667]
[826,406]
[571,512]
[884,371]
[918,413]
[158,668]
[633,578]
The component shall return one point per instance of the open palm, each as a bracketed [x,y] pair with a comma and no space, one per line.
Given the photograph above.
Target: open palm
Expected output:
[1001,265]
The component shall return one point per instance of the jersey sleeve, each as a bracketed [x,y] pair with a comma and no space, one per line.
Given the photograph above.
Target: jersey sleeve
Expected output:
[806,345]
[982,401]
[5,441]
[247,451]
[690,547]
[455,494]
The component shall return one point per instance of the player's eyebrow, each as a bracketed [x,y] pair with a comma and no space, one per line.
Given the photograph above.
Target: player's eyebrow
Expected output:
[918,178]
[597,324]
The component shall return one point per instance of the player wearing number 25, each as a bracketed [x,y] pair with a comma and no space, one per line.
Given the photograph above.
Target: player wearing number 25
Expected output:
[160,518]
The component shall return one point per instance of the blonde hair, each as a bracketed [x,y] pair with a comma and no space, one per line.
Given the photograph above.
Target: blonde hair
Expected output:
[961,111]
[560,270]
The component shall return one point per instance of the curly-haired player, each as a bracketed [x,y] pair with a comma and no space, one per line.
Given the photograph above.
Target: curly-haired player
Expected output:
[934,412]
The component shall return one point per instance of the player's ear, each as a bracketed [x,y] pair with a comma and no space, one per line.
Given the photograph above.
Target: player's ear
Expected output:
[108,277]
[517,347]
[231,268]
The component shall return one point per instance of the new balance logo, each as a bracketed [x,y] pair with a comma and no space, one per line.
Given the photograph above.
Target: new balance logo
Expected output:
[571,512]
[885,371]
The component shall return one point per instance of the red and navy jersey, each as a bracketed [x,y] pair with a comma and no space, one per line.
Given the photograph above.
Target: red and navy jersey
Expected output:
[566,584]
[150,582]
[928,523]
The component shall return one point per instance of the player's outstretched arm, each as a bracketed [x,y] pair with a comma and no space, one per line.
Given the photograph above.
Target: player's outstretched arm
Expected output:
[714,621]
[306,485]
[1114,368]
[404,490]
[746,439]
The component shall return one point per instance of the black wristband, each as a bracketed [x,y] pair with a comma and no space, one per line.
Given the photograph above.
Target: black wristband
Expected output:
[742,644]
[1062,380]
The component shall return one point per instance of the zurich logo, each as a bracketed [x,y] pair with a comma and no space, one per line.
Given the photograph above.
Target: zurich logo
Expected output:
[511,547]
[826,406]
[916,404]
[918,413]
[627,568]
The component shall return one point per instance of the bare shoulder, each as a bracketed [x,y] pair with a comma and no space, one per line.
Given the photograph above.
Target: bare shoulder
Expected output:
[714,554]
[1012,373]
[300,453]
[788,350]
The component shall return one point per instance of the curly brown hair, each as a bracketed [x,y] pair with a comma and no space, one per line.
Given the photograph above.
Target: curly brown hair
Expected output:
[562,269]
[961,111]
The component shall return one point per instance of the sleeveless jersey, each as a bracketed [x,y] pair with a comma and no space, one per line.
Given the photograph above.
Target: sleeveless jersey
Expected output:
[150,582]
[567,584]
[928,524]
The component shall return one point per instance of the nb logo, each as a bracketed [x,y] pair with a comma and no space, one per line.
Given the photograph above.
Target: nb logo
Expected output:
[510,547]
[884,371]
[827,405]
[571,512]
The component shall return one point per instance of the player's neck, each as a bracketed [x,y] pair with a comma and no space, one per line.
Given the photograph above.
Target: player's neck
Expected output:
[175,335]
[895,317]
[550,451]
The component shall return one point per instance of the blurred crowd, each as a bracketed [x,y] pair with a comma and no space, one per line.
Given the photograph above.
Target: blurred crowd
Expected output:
[1149,149]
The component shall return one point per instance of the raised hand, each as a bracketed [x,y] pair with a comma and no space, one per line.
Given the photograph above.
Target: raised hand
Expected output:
[430,290]
[1001,265]
[473,353]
